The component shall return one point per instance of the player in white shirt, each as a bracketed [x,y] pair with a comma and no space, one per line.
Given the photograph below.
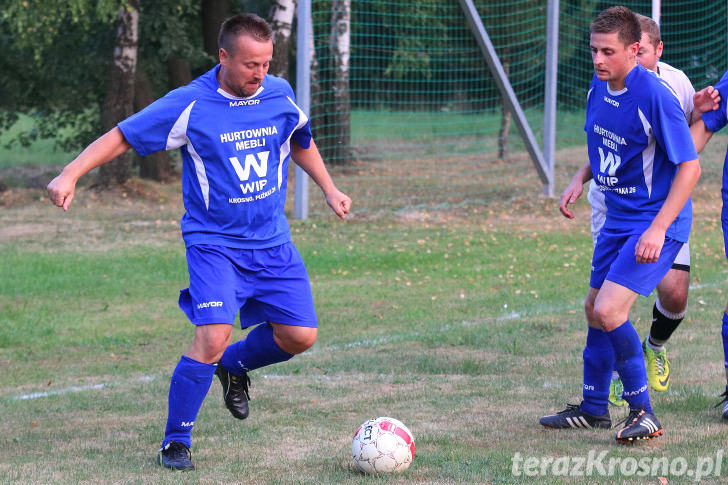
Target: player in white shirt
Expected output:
[672,292]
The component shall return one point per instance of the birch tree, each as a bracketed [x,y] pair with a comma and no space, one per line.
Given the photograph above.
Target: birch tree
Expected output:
[339,50]
[281,15]
[119,101]
[77,57]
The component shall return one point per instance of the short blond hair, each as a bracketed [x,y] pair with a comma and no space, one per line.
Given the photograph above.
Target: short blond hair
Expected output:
[650,28]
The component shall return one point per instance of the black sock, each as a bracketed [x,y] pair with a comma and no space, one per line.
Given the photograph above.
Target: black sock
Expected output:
[662,326]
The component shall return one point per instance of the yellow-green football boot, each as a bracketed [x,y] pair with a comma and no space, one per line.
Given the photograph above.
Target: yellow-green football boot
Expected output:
[658,368]
[615,393]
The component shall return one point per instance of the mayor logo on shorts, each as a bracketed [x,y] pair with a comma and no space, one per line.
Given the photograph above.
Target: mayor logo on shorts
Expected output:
[209,304]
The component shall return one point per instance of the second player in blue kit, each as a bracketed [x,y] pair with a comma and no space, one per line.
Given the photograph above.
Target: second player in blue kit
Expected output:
[702,131]
[643,159]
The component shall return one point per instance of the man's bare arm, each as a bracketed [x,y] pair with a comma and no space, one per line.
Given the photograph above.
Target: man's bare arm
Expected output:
[309,159]
[109,146]
[701,134]
[649,246]
[575,189]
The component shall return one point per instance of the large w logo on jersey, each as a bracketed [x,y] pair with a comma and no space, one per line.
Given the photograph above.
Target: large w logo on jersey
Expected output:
[259,163]
[610,163]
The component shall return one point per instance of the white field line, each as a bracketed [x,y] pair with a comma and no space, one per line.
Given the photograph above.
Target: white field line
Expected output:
[710,284]
[67,390]
[36,395]
[359,343]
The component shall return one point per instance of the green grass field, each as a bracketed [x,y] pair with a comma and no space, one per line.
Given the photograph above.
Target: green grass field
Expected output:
[467,325]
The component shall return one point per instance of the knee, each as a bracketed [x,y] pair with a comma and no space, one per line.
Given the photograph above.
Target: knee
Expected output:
[607,318]
[589,310]
[294,340]
[675,301]
[210,343]
[214,348]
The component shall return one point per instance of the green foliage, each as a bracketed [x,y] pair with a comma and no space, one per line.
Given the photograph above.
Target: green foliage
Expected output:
[170,28]
[425,29]
[59,54]
[426,54]
[37,24]
[167,28]
[59,58]
[42,152]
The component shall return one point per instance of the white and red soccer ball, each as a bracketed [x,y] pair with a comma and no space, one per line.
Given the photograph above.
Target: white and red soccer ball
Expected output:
[383,445]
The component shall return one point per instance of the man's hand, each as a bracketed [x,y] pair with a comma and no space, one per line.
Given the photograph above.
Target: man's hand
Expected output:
[103,150]
[61,190]
[649,245]
[569,196]
[339,202]
[707,99]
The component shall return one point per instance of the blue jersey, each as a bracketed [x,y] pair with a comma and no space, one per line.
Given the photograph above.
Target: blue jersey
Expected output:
[636,139]
[235,154]
[716,120]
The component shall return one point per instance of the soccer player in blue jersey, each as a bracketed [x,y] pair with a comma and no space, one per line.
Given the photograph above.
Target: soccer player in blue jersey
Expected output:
[672,292]
[236,128]
[702,131]
[643,159]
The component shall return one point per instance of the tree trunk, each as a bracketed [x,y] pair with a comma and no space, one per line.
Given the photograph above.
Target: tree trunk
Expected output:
[339,43]
[316,111]
[214,13]
[119,102]
[281,15]
[156,166]
[314,81]
[505,126]
[178,70]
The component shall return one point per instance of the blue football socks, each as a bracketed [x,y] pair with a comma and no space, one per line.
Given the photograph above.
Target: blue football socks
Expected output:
[257,350]
[630,364]
[189,385]
[598,365]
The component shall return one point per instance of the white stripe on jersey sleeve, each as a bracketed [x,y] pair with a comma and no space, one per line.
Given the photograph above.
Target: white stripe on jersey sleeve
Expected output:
[286,147]
[648,154]
[201,174]
[178,137]
[178,134]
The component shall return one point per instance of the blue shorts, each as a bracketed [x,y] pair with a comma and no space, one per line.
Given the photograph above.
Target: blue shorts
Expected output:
[724,210]
[614,260]
[264,285]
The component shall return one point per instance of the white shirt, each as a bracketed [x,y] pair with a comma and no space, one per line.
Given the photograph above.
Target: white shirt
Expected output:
[680,83]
